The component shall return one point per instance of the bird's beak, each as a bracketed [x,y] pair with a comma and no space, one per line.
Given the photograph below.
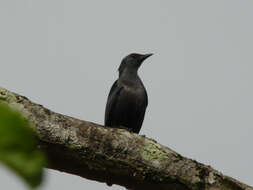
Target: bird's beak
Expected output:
[145,56]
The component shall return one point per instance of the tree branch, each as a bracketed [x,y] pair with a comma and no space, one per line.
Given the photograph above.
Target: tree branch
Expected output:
[115,156]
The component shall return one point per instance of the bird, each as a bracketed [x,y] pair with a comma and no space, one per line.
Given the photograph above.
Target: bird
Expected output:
[127,100]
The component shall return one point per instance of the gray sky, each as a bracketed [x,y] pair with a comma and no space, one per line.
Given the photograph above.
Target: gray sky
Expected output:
[65,54]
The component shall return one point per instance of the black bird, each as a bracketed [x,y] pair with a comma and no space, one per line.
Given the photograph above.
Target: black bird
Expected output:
[127,100]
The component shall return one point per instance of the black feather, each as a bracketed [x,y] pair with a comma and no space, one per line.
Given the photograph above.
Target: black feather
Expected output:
[127,100]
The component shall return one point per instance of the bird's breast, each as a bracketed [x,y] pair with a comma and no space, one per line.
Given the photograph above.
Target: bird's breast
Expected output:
[132,96]
[133,92]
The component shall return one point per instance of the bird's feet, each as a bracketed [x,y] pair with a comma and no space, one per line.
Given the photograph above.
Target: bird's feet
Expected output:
[123,127]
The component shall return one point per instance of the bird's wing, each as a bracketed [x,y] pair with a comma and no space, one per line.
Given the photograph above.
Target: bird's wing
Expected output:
[111,102]
[139,117]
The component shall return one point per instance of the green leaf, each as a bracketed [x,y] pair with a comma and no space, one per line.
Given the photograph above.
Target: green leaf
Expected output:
[18,147]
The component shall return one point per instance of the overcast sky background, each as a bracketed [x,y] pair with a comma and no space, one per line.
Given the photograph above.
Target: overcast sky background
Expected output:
[65,55]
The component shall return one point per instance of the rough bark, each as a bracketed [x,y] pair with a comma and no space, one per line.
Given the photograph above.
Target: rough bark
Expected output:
[115,156]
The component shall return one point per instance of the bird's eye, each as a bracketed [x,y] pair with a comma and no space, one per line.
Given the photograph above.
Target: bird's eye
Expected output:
[134,56]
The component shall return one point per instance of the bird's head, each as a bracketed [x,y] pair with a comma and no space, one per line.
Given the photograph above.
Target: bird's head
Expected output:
[133,61]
